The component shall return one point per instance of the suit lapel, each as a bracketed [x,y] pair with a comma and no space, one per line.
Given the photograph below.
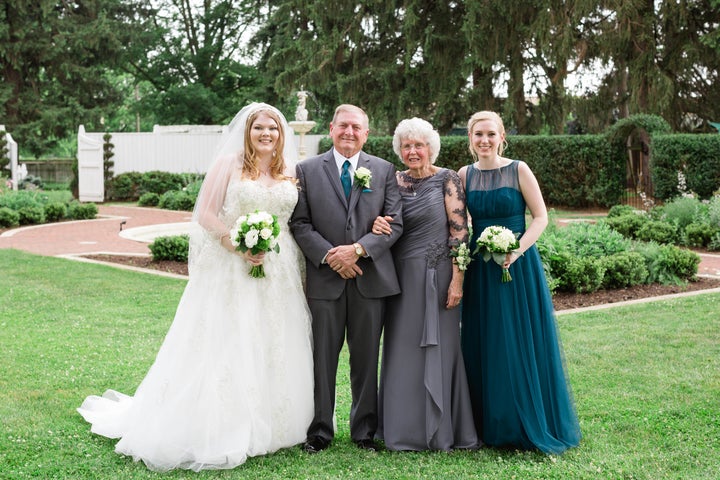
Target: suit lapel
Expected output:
[332,172]
[356,190]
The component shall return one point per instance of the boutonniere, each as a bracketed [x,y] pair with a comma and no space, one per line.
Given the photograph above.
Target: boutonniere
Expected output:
[363,177]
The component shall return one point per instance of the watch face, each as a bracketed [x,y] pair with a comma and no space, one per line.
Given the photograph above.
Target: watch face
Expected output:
[358,249]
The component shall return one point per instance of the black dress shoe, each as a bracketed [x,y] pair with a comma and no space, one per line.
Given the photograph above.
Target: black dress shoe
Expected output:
[368,445]
[315,444]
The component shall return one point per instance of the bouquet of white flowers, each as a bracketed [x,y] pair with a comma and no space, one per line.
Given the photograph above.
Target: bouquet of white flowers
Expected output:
[496,242]
[256,232]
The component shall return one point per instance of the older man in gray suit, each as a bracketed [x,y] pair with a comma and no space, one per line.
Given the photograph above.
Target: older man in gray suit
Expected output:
[350,271]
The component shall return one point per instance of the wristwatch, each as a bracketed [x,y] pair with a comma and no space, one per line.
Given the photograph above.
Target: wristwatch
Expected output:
[358,249]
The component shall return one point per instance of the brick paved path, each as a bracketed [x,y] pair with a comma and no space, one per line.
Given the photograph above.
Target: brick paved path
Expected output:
[91,236]
[103,235]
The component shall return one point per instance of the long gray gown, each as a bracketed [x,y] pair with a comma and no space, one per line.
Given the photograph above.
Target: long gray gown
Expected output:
[424,401]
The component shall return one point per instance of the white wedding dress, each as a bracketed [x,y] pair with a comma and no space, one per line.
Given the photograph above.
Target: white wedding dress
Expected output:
[234,375]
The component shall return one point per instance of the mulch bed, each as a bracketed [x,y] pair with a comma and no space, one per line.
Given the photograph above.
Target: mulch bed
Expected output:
[561,300]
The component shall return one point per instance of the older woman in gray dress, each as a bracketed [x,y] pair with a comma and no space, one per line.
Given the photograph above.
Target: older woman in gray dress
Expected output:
[424,401]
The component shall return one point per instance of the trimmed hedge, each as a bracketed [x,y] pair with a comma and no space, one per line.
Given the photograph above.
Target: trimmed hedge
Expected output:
[572,170]
[697,156]
[579,171]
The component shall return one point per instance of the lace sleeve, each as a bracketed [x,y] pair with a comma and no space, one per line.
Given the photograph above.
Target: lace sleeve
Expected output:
[455,209]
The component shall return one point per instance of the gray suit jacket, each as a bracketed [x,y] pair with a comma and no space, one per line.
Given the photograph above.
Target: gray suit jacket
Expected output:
[323,219]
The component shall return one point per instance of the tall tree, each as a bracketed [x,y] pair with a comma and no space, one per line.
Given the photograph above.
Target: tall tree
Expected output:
[691,62]
[560,46]
[193,57]
[52,58]
[396,59]
[498,35]
[349,53]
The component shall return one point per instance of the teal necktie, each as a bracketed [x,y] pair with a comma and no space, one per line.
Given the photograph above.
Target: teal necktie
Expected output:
[345,178]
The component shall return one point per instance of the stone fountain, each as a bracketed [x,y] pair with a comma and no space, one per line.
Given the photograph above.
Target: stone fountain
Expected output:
[301,124]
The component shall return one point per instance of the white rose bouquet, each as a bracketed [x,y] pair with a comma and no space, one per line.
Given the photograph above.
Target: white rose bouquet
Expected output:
[256,232]
[496,242]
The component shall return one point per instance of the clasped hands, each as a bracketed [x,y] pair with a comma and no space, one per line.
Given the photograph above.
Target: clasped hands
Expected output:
[254,260]
[343,260]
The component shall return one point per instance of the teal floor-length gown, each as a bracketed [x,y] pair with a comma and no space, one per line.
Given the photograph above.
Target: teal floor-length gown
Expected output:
[513,356]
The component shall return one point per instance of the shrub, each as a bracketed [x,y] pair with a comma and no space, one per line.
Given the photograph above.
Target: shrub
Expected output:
[22,198]
[149,199]
[698,234]
[682,211]
[620,210]
[668,264]
[173,248]
[554,261]
[193,188]
[124,186]
[624,269]
[176,200]
[714,243]
[31,215]
[9,218]
[55,211]
[714,211]
[682,262]
[583,275]
[160,182]
[592,239]
[82,211]
[627,225]
[657,231]
[30,182]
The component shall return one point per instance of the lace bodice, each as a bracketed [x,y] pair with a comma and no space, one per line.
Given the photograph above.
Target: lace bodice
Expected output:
[246,196]
[434,216]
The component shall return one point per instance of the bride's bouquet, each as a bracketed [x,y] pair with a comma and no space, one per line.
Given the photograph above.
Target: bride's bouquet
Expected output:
[256,232]
[496,242]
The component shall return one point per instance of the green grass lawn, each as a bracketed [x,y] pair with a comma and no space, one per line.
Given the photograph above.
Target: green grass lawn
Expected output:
[646,379]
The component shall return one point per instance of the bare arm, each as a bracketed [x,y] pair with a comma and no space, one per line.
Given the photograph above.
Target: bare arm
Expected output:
[533,198]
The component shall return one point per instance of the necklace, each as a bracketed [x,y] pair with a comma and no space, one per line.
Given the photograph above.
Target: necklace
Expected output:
[416,181]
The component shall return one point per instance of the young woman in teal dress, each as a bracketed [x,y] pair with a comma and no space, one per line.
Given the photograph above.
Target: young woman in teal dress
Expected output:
[510,342]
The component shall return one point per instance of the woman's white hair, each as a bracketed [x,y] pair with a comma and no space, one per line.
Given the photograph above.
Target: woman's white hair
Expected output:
[417,129]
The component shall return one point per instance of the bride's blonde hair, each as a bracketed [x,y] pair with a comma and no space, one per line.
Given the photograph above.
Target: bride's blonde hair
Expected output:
[250,163]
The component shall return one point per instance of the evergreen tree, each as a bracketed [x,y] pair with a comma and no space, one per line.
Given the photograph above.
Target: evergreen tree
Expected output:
[53,55]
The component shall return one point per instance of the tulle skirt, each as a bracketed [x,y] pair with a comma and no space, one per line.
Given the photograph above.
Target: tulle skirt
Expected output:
[233,378]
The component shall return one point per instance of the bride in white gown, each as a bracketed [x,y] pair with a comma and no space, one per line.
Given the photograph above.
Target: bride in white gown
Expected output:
[234,376]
